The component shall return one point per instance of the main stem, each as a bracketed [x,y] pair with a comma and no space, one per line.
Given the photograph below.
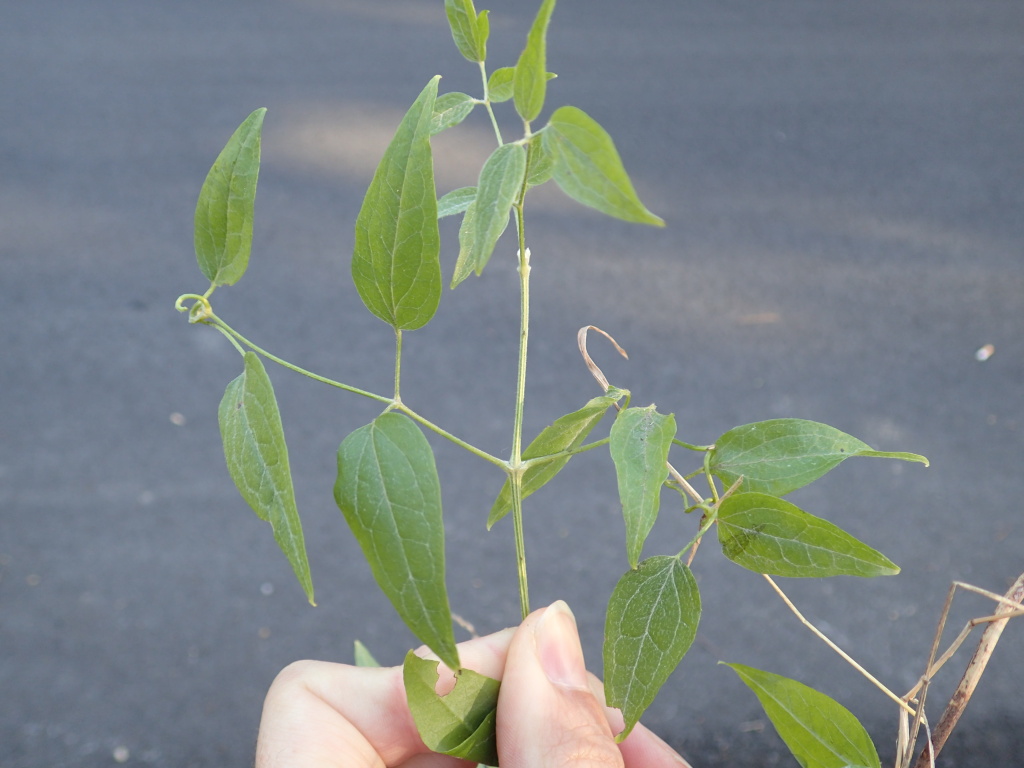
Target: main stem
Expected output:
[517,469]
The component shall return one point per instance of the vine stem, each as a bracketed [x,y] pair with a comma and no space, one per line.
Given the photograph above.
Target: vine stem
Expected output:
[516,462]
[487,104]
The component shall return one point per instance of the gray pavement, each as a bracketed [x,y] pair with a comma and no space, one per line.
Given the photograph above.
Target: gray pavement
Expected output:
[844,187]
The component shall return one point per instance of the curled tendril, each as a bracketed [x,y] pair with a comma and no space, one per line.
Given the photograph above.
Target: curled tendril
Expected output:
[581,339]
[199,312]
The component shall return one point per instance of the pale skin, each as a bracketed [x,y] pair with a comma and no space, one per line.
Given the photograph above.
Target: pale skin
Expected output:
[550,709]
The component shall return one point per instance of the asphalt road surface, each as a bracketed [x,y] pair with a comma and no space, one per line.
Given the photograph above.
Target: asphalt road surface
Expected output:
[844,190]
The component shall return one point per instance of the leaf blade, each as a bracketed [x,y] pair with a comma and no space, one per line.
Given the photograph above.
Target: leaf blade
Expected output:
[501,179]
[565,433]
[462,722]
[529,81]
[766,534]
[640,440]
[455,202]
[450,109]
[587,167]
[820,732]
[396,263]
[651,623]
[388,490]
[226,204]
[779,456]
[257,459]
[469,29]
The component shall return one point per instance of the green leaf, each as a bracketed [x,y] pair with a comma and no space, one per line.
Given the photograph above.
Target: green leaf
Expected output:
[469,29]
[456,201]
[501,179]
[450,109]
[766,534]
[539,165]
[396,263]
[500,84]
[820,732]
[652,620]
[587,167]
[363,657]
[257,457]
[388,490]
[640,441]
[460,723]
[224,211]
[781,455]
[565,434]
[529,81]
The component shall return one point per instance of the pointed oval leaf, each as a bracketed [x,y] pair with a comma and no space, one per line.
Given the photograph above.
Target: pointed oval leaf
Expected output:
[766,534]
[529,81]
[257,457]
[501,179]
[460,723]
[224,211]
[652,620]
[565,434]
[396,263]
[450,109]
[388,490]
[780,455]
[469,29]
[456,201]
[587,167]
[820,732]
[639,445]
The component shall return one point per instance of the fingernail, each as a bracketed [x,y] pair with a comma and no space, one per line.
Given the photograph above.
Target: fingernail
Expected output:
[559,649]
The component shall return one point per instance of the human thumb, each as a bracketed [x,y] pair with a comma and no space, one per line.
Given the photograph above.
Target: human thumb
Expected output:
[547,714]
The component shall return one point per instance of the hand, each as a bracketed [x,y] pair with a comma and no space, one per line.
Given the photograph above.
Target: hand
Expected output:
[550,709]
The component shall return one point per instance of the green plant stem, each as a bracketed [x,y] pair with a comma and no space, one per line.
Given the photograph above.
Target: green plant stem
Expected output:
[691,447]
[450,437]
[516,462]
[487,104]
[398,364]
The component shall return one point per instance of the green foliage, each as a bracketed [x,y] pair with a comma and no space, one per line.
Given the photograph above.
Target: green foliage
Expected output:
[781,455]
[396,264]
[766,534]
[530,79]
[363,657]
[224,211]
[651,623]
[586,165]
[557,440]
[388,490]
[501,180]
[819,732]
[257,457]
[387,484]
[460,723]
[640,441]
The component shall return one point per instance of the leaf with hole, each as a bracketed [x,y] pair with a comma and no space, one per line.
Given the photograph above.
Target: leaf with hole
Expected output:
[820,732]
[387,488]
[461,723]
[224,211]
[766,534]
[396,263]
[486,218]
[640,440]
[257,458]
[529,80]
[651,623]
[587,167]
[557,439]
[470,30]
[780,455]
